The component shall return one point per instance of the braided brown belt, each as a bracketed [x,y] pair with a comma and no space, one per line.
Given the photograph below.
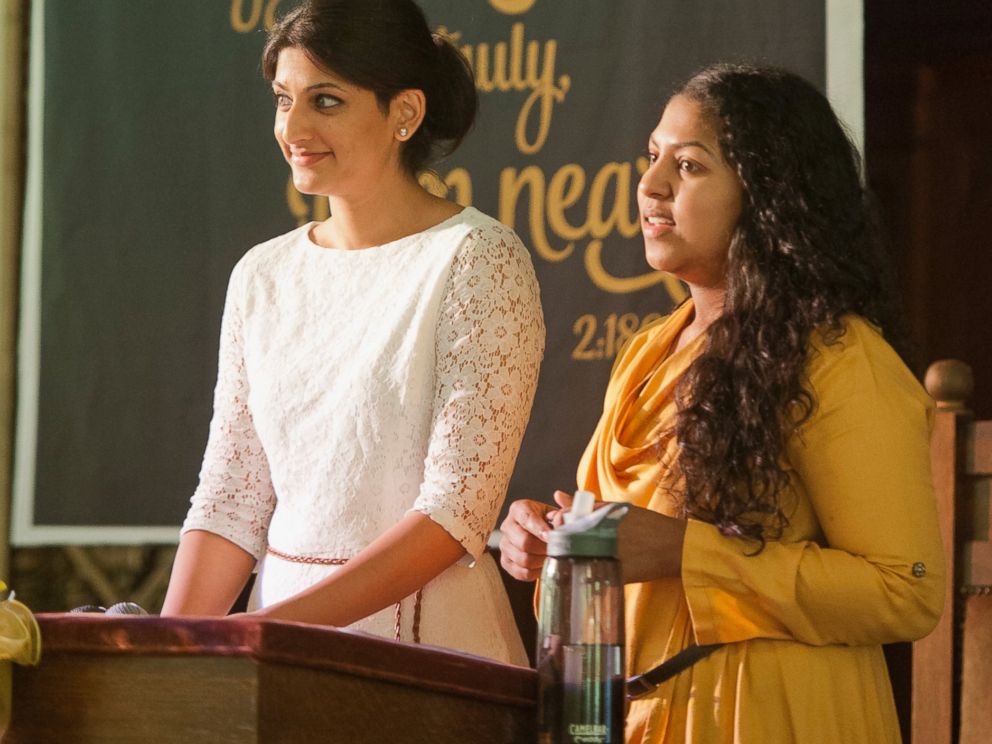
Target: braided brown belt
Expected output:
[313,560]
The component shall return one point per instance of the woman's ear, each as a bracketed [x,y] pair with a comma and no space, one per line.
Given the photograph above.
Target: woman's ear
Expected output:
[407,109]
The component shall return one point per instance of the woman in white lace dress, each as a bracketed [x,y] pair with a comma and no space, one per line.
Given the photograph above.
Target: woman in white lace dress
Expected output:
[377,369]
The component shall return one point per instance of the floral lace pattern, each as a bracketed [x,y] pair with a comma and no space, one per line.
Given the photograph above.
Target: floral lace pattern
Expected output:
[356,386]
[234,497]
[489,343]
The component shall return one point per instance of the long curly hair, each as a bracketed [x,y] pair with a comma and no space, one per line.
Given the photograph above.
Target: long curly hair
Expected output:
[807,251]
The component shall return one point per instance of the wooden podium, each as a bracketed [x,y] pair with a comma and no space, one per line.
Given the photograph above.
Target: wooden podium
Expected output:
[150,679]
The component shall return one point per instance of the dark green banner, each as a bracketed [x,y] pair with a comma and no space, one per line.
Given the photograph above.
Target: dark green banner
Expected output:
[158,170]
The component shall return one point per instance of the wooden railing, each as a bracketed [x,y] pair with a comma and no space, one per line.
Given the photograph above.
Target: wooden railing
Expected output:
[952,681]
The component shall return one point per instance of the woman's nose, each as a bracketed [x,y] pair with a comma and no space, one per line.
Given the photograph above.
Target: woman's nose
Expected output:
[293,126]
[656,183]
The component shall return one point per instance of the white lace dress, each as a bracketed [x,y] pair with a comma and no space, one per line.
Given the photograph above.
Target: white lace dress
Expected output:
[356,386]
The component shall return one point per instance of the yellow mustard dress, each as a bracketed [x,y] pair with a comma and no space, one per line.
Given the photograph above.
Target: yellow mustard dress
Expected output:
[860,563]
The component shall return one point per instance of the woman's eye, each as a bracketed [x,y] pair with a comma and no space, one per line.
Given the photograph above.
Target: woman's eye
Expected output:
[324,101]
[281,100]
[687,166]
[652,157]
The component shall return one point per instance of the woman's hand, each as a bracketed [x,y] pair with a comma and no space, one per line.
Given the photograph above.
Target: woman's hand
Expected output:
[524,543]
[650,543]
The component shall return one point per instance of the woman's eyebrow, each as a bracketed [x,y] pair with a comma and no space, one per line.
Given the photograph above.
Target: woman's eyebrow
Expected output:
[686,143]
[692,143]
[315,86]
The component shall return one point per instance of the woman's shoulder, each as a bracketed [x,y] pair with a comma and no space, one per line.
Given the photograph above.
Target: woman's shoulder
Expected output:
[855,359]
[485,232]
[487,246]
[853,340]
[264,255]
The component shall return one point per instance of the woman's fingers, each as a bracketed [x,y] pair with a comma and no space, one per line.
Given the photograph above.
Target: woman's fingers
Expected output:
[523,545]
[521,565]
[564,500]
[527,519]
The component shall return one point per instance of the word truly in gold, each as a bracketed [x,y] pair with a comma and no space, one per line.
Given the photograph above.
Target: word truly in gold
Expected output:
[520,65]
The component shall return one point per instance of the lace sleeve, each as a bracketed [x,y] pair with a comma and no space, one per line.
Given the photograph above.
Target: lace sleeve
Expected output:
[234,498]
[490,340]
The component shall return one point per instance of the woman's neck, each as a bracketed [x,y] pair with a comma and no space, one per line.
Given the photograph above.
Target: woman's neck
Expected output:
[382,216]
[707,305]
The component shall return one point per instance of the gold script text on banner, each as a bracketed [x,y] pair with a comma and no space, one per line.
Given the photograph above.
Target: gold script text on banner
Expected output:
[608,208]
[549,202]
[520,65]
[455,185]
[246,14]
[512,7]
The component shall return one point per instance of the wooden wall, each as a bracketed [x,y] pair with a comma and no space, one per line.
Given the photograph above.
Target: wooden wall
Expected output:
[928,76]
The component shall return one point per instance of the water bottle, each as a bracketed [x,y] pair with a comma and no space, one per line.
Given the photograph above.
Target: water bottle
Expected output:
[580,635]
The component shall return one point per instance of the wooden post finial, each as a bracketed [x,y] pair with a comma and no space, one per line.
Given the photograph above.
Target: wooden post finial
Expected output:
[950,382]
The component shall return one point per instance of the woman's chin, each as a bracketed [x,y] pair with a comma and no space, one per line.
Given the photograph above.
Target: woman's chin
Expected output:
[659,259]
[307,187]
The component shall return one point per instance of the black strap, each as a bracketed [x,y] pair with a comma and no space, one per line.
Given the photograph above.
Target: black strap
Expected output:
[644,684]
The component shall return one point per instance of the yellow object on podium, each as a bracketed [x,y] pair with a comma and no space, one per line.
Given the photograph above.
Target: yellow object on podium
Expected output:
[20,643]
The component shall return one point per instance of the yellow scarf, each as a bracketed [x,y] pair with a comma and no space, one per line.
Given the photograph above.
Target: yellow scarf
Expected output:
[631,451]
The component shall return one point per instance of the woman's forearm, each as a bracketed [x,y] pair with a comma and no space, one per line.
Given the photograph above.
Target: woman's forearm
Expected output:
[396,564]
[207,576]
[650,545]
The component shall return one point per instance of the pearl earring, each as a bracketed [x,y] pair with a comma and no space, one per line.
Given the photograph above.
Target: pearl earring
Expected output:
[404,131]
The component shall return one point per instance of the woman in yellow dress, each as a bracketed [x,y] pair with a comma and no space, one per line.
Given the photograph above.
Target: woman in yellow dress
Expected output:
[771,441]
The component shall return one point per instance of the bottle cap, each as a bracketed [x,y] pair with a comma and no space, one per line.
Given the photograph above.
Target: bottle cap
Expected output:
[582,506]
[590,536]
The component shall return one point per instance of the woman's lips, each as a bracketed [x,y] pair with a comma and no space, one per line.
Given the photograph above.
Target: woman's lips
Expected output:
[654,226]
[307,159]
